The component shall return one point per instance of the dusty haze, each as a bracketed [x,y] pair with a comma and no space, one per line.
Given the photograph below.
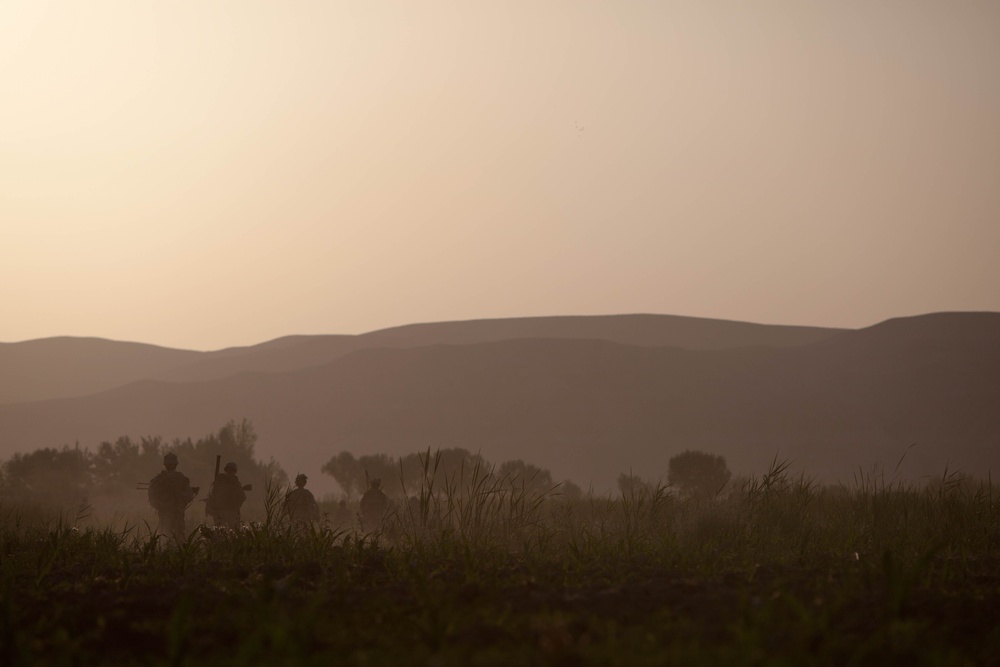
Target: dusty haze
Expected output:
[586,397]
[202,175]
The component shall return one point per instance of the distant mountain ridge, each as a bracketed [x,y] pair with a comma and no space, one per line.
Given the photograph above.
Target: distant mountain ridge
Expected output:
[66,367]
[585,407]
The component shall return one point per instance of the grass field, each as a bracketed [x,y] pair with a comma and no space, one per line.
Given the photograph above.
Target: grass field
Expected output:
[777,572]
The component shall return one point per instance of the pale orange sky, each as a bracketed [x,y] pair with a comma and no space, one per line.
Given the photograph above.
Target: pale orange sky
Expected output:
[208,174]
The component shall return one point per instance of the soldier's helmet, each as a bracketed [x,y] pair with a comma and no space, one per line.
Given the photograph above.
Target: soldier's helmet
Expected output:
[170,460]
[230,467]
[301,479]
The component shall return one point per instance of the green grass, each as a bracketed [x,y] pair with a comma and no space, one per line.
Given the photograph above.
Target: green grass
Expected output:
[481,572]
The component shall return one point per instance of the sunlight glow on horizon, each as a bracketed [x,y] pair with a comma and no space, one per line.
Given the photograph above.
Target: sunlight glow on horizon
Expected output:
[205,176]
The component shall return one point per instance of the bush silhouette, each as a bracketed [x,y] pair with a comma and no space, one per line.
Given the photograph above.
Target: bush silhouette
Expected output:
[698,474]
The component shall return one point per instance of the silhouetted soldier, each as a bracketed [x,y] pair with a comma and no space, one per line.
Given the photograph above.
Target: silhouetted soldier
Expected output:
[226,498]
[170,492]
[300,505]
[373,505]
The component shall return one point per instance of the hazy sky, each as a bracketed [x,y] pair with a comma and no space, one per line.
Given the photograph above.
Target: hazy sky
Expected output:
[206,174]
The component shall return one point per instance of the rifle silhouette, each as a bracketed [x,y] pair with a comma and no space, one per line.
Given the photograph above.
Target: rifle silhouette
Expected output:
[218,462]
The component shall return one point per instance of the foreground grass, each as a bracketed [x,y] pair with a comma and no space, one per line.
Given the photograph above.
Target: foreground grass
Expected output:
[779,572]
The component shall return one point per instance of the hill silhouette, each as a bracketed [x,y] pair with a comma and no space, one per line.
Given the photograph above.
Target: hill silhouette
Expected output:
[66,367]
[589,409]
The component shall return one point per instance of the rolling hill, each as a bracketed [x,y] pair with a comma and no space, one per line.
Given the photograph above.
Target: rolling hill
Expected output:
[587,408]
[66,367]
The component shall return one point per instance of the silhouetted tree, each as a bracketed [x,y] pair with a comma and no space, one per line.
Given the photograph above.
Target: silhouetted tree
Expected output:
[453,469]
[118,466]
[383,467]
[698,474]
[446,467]
[344,468]
[353,474]
[569,490]
[630,485]
[446,471]
[233,442]
[58,477]
[531,477]
[68,477]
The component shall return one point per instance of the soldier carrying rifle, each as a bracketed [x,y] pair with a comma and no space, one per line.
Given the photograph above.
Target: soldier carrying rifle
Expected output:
[170,493]
[226,497]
